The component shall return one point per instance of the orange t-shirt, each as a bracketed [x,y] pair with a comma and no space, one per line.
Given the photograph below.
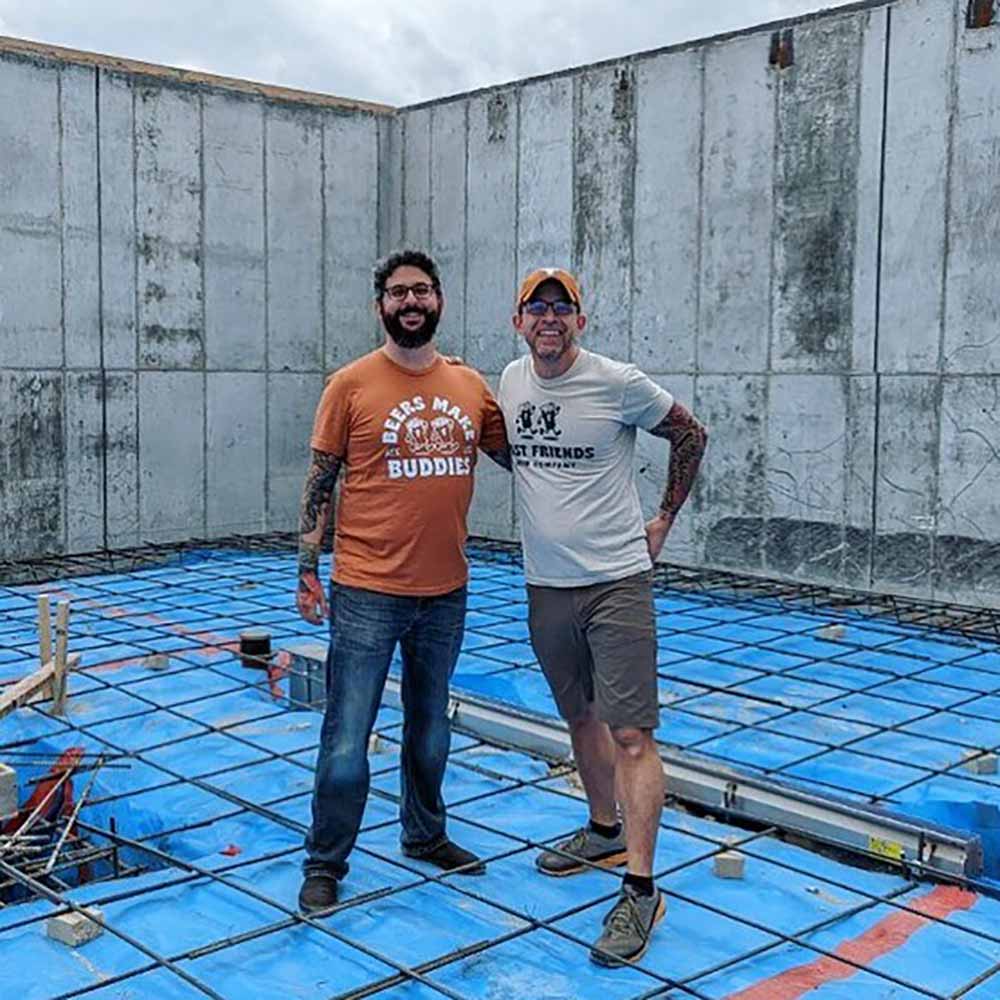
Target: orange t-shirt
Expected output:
[408,441]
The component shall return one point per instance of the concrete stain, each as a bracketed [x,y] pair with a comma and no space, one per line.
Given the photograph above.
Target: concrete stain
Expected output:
[497,118]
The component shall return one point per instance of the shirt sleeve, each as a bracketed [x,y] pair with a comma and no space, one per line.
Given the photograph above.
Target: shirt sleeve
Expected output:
[644,403]
[493,436]
[332,422]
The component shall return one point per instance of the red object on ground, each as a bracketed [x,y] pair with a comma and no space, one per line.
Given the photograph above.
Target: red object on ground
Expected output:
[232,851]
[61,804]
[887,935]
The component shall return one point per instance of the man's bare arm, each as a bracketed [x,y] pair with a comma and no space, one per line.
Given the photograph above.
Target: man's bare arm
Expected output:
[688,440]
[314,515]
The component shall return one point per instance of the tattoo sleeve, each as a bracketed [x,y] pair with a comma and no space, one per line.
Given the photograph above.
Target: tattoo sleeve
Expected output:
[499,455]
[316,508]
[688,440]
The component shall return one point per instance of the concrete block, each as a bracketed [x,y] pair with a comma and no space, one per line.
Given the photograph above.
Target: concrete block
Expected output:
[832,633]
[916,154]
[972,314]
[604,202]
[729,865]
[77,927]
[293,400]
[390,181]
[448,190]
[417,178]
[376,744]
[118,227]
[906,488]
[294,240]
[667,228]
[737,207]
[235,264]
[156,661]
[306,674]
[807,451]
[80,251]
[84,461]
[236,452]
[122,456]
[171,456]
[168,132]
[730,505]
[8,792]
[979,762]
[351,158]
[545,186]
[491,281]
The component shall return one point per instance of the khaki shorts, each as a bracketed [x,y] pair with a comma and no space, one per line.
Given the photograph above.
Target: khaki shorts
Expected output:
[597,647]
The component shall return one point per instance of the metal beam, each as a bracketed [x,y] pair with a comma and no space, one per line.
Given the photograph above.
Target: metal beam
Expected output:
[738,795]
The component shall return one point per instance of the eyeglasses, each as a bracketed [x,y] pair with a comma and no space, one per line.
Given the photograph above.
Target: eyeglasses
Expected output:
[539,308]
[421,290]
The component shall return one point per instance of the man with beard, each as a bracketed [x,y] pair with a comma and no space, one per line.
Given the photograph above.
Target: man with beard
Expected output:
[404,422]
[572,416]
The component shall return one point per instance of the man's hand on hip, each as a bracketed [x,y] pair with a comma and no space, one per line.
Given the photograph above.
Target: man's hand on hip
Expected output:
[657,530]
[310,599]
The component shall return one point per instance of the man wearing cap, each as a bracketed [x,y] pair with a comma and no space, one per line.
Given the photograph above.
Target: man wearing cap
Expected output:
[571,419]
[404,422]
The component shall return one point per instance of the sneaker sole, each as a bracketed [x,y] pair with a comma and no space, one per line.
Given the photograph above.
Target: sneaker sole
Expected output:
[614,963]
[611,861]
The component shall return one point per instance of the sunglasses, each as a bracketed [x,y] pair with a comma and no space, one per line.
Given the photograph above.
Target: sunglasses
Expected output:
[538,308]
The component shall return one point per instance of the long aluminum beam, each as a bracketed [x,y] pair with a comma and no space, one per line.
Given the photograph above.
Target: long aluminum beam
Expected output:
[729,792]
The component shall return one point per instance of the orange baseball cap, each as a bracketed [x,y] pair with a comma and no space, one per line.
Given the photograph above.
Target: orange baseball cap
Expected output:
[543,274]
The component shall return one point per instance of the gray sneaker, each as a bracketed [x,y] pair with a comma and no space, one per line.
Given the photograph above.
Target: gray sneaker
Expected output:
[627,927]
[583,850]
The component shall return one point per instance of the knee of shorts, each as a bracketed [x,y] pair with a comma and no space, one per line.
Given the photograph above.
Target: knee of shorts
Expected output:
[632,740]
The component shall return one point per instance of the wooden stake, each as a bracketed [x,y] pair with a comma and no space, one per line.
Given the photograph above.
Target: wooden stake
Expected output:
[59,675]
[44,630]
[28,688]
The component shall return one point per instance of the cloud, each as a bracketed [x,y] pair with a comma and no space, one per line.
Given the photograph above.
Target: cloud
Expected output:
[384,50]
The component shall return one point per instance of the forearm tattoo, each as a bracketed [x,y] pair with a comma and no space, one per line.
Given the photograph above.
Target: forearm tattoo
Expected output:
[688,440]
[499,455]
[316,507]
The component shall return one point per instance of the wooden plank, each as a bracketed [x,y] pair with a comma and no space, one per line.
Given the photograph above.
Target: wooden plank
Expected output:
[29,688]
[44,630]
[59,676]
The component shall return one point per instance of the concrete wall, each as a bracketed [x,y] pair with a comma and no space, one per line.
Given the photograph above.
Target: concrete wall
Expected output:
[180,263]
[806,255]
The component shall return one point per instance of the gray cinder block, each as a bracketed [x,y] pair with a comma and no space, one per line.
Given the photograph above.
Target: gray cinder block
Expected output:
[8,792]
[307,674]
[729,864]
[76,928]
[979,762]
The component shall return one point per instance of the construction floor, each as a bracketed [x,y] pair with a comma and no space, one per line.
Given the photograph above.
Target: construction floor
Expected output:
[193,777]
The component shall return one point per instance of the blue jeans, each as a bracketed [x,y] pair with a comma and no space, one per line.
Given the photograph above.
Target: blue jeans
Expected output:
[365,627]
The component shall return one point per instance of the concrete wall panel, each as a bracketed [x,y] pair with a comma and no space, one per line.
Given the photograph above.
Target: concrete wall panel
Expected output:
[906,485]
[737,207]
[116,156]
[84,485]
[666,241]
[390,184]
[916,159]
[449,149]
[294,150]
[604,199]
[168,218]
[491,281]
[121,402]
[80,247]
[815,219]
[235,266]
[545,186]
[417,178]
[731,505]
[235,452]
[807,451]
[171,456]
[972,315]
[30,217]
[859,479]
[967,552]
[351,201]
[292,404]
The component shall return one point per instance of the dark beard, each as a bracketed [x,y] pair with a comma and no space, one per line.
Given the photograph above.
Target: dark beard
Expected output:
[410,339]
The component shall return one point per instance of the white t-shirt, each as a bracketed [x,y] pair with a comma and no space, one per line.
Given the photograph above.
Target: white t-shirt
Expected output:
[572,442]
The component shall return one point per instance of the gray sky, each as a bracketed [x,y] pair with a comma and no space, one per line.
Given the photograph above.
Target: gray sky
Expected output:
[396,51]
